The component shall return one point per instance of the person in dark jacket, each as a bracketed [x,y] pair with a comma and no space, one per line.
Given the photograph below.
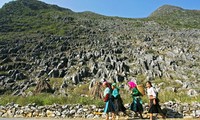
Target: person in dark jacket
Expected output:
[118,103]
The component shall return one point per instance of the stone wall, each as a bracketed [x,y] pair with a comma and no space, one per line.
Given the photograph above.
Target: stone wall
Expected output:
[172,110]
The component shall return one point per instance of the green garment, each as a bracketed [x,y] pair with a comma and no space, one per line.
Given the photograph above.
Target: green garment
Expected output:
[137,101]
[135,93]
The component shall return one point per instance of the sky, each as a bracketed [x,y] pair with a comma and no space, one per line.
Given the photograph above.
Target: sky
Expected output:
[120,8]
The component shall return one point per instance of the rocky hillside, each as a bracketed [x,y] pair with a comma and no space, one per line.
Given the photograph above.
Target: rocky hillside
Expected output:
[41,41]
[176,17]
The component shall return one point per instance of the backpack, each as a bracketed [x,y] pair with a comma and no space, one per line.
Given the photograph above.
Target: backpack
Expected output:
[156,91]
[141,89]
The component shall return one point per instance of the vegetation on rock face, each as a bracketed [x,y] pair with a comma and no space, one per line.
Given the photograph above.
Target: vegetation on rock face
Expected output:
[177,17]
[39,42]
[31,16]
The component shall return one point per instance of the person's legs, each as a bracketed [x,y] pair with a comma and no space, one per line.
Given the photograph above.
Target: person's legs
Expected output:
[136,114]
[163,116]
[161,112]
[113,116]
[151,116]
[117,116]
[107,116]
[141,115]
[139,107]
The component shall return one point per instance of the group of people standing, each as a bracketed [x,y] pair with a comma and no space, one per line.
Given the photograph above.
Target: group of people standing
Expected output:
[114,103]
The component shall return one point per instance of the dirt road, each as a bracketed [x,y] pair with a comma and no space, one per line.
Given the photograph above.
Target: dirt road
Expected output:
[58,119]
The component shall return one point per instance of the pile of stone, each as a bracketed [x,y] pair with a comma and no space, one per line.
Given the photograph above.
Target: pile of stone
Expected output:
[172,110]
[179,110]
[53,111]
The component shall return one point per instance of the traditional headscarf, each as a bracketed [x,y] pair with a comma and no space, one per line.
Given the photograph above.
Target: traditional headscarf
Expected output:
[114,85]
[132,84]
[106,83]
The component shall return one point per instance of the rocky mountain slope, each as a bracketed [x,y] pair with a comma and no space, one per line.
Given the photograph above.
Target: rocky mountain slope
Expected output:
[176,17]
[39,41]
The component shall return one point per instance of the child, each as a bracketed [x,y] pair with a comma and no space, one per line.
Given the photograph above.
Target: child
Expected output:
[154,106]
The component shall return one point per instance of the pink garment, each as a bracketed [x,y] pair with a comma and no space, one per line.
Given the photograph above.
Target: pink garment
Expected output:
[131,84]
[104,83]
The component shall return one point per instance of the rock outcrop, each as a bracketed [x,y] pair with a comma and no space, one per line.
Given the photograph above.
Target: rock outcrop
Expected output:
[80,47]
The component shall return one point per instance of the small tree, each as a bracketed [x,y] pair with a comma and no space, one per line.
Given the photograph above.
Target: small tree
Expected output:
[96,90]
[43,86]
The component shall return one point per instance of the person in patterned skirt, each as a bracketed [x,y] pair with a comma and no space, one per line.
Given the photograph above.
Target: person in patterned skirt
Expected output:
[136,105]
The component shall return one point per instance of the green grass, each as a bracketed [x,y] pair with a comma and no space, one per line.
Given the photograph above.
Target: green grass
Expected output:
[49,99]
[56,81]
[182,97]
[77,95]
[80,95]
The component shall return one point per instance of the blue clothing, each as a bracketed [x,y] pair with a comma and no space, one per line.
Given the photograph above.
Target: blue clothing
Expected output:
[106,91]
[109,107]
[118,103]
[115,92]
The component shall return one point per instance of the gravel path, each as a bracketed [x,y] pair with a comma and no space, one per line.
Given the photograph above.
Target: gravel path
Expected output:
[47,119]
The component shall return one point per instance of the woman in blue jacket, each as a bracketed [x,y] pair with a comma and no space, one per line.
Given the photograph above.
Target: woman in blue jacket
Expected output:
[109,106]
[118,103]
